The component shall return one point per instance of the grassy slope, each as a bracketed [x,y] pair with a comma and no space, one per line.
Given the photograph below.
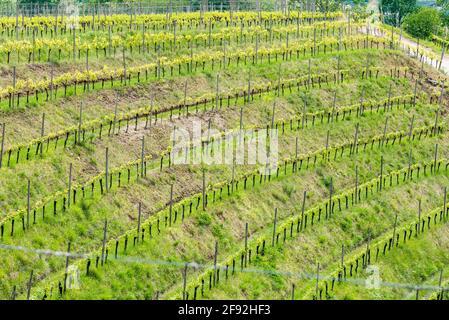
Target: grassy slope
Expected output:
[323,244]
[226,225]
[419,262]
[51,174]
[226,221]
[343,177]
[341,128]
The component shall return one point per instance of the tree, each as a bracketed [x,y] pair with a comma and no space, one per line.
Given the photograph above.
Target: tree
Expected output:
[320,5]
[423,23]
[443,4]
[394,11]
[444,12]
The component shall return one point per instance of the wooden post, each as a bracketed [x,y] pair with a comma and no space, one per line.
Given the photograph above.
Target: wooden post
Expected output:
[317,280]
[14,81]
[246,243]
[139,217]
[248,98]
[14,293]
[443,49]
[28,203]
[74,42]
[215,263]
[109,41]
[342,255]
[296,148]
[385,130]
[224,54]
[42,132]
[107,170]
[293,291]
[233,174]
[274,226]
[356,137]
[409,163]
[414,93]
[87,66]
[435,158]
[66,266]
[440,98]
[303,209]
[69,192]
[80,123]
[217,91]
[257,48]
[331,191]
[209,39]
[241,118]
[340,40]
[334,102]
[17,22]
[185,102]
[279,80]
[204,189]
[362,100]
[394,227]
[184,276]
[309,80]
[33,41]
[444,201]
[174,34]
[410,133]
[367,246]
[367,66]
[56,20]
[171,205]
[435,127]
[356,184]
[115,114]
[51,81]
[2,144]
[29,285]
[381,182]
[272,115]
[142,158]
[103,248]
[389,97]
[124,64]
[419,216]
[304,114]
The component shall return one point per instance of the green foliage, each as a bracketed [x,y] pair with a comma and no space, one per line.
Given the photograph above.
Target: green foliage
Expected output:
[204,219]
[443,3]
[394,11]
[326,5]
[445,20]
[423,23]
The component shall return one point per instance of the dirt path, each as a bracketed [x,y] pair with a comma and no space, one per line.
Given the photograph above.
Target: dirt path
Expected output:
[373,6]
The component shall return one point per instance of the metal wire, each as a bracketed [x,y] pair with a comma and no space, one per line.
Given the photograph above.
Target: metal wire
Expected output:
[197,266]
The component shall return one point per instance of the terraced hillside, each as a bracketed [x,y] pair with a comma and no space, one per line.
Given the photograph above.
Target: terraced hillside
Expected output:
[97,200]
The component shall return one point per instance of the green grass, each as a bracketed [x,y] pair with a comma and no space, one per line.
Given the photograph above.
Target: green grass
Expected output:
[418,262]
[55,174]
[322,244]
[223,221]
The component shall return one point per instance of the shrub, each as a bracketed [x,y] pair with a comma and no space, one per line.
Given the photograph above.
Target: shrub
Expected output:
[204,219]
[423,23]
